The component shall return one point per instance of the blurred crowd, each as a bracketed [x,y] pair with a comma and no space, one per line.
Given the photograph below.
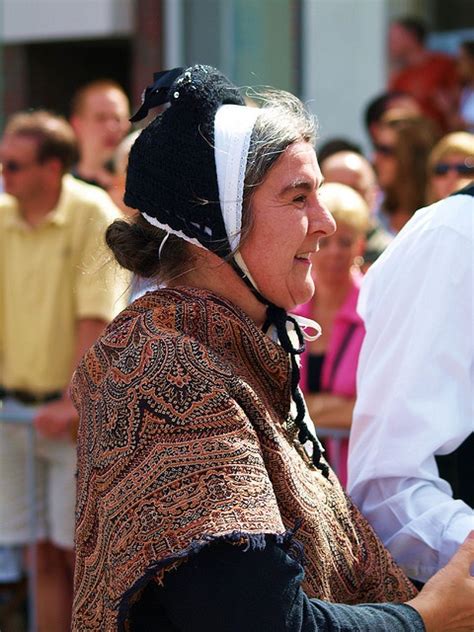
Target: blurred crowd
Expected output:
[422,150]
[63,182]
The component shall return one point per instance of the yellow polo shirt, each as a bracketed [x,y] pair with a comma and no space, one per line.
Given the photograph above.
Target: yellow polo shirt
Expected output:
[51,276]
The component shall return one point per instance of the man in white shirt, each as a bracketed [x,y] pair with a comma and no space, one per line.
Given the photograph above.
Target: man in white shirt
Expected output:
[416,388]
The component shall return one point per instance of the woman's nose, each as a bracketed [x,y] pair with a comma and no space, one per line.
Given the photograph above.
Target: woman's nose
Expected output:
[321,219]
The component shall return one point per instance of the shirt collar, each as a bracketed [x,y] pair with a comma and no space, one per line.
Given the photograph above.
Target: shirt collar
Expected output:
[57,216]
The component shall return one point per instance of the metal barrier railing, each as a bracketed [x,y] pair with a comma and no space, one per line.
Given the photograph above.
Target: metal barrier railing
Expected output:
[14,413]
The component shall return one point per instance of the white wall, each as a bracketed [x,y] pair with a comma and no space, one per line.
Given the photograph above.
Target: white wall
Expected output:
[38,20]
[173,34]
[343,62]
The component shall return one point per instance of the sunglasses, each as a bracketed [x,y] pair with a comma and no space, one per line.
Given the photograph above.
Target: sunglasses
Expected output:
[385,150]
[461,168]
[13,166]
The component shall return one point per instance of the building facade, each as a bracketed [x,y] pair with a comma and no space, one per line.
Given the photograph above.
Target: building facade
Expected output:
[332,53]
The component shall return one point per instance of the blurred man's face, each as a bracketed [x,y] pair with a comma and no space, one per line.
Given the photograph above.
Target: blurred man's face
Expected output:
[400,43]
[23,176]
[400,106]
[102,122]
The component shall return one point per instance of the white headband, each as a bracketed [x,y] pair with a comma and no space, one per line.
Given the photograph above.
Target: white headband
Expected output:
[233,125]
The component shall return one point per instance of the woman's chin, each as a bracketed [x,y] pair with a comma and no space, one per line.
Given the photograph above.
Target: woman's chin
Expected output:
[301,295]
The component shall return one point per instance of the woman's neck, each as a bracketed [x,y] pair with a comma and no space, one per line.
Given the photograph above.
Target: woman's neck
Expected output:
[35,208]
[209,272]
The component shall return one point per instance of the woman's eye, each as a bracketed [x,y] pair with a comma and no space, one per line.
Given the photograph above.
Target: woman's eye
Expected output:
[346,242]
[300,199]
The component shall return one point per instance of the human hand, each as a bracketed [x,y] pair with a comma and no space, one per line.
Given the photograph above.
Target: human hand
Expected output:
[330,411]
[319,402]
[55,420]
[446,602]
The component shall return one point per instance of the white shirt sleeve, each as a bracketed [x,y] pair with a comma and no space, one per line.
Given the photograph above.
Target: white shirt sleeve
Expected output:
[415,387]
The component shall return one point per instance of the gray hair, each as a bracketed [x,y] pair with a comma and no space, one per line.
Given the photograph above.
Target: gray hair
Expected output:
[284,120]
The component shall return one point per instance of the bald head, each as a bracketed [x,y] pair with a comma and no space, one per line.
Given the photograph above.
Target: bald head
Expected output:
[353,170]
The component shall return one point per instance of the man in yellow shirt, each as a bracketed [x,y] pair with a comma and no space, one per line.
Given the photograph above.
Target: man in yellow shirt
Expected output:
[58,289]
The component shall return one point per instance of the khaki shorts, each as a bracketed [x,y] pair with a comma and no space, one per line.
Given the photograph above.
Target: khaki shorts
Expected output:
[55,489]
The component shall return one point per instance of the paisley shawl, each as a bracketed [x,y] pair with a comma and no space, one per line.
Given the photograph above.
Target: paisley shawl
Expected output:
[185,438]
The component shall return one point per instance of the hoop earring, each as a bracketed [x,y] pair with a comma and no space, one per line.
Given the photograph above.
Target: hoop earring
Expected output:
[358,261]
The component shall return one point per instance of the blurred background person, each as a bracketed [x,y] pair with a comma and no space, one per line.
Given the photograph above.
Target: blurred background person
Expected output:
[335,145]
[329,364]
[395,104]
[355,171]
[400,160]
[450,165]
[119,164]
[466,73]
[99,116]
[57,292]
[430,77]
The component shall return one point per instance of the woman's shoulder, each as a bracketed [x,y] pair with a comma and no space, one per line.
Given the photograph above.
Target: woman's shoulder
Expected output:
[166,332]
[161,331]
[143,364]
[185,342]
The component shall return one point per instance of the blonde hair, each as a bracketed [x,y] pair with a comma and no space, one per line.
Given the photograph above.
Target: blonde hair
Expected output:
[346,206]
[455,143]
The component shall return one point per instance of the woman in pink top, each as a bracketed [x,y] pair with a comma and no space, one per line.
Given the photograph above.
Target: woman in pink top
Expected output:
[328,371]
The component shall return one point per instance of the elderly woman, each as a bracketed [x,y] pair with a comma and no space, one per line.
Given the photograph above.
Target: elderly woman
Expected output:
[199,483]
[329,364]
[450,165]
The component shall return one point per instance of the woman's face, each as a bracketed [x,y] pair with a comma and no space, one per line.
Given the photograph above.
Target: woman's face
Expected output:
[384,159]
[288,221]
[333,262]
[450,174]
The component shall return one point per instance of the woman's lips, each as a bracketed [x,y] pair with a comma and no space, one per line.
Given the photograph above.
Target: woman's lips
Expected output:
[304,257]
